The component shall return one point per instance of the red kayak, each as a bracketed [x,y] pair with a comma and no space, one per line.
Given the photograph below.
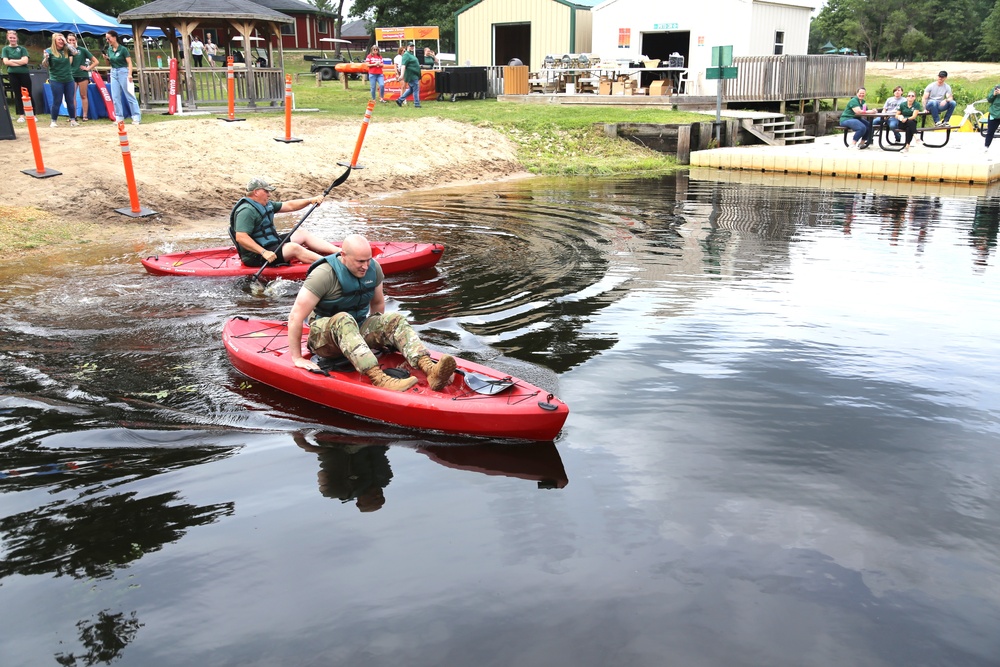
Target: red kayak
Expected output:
[480,400]
[225,262]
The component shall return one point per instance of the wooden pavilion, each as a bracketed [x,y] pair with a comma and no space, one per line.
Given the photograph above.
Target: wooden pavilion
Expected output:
[260,78]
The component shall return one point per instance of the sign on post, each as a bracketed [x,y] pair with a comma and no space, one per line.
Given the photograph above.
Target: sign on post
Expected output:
[722,56]
[722,68]
[720,73]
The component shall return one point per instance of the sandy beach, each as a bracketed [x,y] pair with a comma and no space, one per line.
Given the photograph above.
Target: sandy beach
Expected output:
[191,171]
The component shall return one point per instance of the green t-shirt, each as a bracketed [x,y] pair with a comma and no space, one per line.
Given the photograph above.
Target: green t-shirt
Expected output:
[994,101]
[411,68]
[15,53]
[248,217]
[60,66]
[116,57]
[908,111]
[82,55]
[848,114]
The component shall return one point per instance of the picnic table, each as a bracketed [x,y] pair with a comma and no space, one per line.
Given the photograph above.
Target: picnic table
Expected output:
[884,134]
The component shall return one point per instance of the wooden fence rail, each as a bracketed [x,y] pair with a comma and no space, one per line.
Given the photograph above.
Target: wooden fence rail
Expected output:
[794,78]
[211,87]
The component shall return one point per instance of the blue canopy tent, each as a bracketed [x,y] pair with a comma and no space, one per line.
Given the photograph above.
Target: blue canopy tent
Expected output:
[60,16]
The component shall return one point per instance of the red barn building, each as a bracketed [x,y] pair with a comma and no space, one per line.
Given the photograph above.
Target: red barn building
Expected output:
[309,27]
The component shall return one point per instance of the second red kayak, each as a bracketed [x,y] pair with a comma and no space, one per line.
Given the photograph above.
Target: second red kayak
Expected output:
[393,257]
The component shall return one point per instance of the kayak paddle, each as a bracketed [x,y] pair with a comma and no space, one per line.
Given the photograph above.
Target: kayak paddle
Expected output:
[340,179]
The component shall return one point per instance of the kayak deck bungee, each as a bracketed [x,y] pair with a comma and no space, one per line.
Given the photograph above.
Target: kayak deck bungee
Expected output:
[393,257]
[506,408]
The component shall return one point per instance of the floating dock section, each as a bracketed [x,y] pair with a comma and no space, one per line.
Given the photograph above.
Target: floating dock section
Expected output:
[962,160]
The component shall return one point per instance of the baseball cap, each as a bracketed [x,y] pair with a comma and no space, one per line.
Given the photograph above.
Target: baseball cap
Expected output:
[942,73]
[259,183]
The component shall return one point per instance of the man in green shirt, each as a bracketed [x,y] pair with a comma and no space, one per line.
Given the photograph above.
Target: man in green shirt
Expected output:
[411,76]
[15,57]
[251,225]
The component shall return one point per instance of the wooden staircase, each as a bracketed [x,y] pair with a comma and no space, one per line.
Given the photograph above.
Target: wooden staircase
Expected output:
[776,131]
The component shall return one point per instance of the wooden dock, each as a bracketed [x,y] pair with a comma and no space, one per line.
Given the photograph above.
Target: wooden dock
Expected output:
[962,161]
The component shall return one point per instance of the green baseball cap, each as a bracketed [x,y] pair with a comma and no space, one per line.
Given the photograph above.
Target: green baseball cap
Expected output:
[259,183]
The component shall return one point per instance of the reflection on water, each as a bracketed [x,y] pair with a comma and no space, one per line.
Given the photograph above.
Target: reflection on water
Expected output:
[357,470]
[783,444]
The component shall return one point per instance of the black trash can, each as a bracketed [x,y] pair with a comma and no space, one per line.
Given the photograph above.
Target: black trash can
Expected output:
[456,81]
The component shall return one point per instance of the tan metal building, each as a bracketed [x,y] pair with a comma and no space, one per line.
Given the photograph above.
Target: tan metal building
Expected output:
[493,32]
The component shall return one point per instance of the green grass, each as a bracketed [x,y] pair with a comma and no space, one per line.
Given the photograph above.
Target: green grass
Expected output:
[965,91]
[27,228]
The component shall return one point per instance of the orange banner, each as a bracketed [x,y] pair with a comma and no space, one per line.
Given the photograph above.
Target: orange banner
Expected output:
[393,88]
[409,33]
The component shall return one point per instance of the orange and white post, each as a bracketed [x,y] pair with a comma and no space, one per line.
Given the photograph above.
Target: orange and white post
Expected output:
[231,91]
[361,137]
[288,138]
[29,116]
[135,211]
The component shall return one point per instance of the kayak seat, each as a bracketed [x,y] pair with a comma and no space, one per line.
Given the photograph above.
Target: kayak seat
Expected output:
[332,363]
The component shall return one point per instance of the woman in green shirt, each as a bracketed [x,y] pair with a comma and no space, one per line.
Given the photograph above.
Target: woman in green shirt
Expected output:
[84,63]
[853,119]
[59,59]
[16,59]
[121,78]
[906,114]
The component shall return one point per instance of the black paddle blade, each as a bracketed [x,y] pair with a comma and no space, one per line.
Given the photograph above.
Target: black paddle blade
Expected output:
[340,179]
[482,384]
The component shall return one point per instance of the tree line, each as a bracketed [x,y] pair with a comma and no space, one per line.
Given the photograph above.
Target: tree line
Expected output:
[910,30]
[378,13]
[399,13]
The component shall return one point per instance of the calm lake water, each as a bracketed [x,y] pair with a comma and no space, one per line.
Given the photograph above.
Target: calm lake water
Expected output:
[783,446]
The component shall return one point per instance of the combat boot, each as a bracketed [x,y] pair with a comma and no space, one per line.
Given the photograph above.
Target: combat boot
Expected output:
[438,374]
[383,381]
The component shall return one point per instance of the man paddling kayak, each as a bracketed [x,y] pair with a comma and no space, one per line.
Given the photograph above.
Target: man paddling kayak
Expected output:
[343,298]
[251,225]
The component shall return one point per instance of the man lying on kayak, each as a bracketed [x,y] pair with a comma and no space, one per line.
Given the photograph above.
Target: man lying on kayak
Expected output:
[251,226]
[343,298]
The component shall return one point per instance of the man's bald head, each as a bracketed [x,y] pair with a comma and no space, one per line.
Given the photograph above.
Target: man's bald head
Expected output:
[355,254]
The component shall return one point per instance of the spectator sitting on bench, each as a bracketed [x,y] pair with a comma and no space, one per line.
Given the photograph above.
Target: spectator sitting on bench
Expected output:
[938,98]
[890,107]
[853,119]
[906,114]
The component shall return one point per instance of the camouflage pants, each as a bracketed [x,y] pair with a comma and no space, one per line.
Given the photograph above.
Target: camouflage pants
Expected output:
[340,335]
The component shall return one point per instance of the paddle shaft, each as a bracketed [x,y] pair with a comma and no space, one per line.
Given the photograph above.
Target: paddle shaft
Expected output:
[340,179]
